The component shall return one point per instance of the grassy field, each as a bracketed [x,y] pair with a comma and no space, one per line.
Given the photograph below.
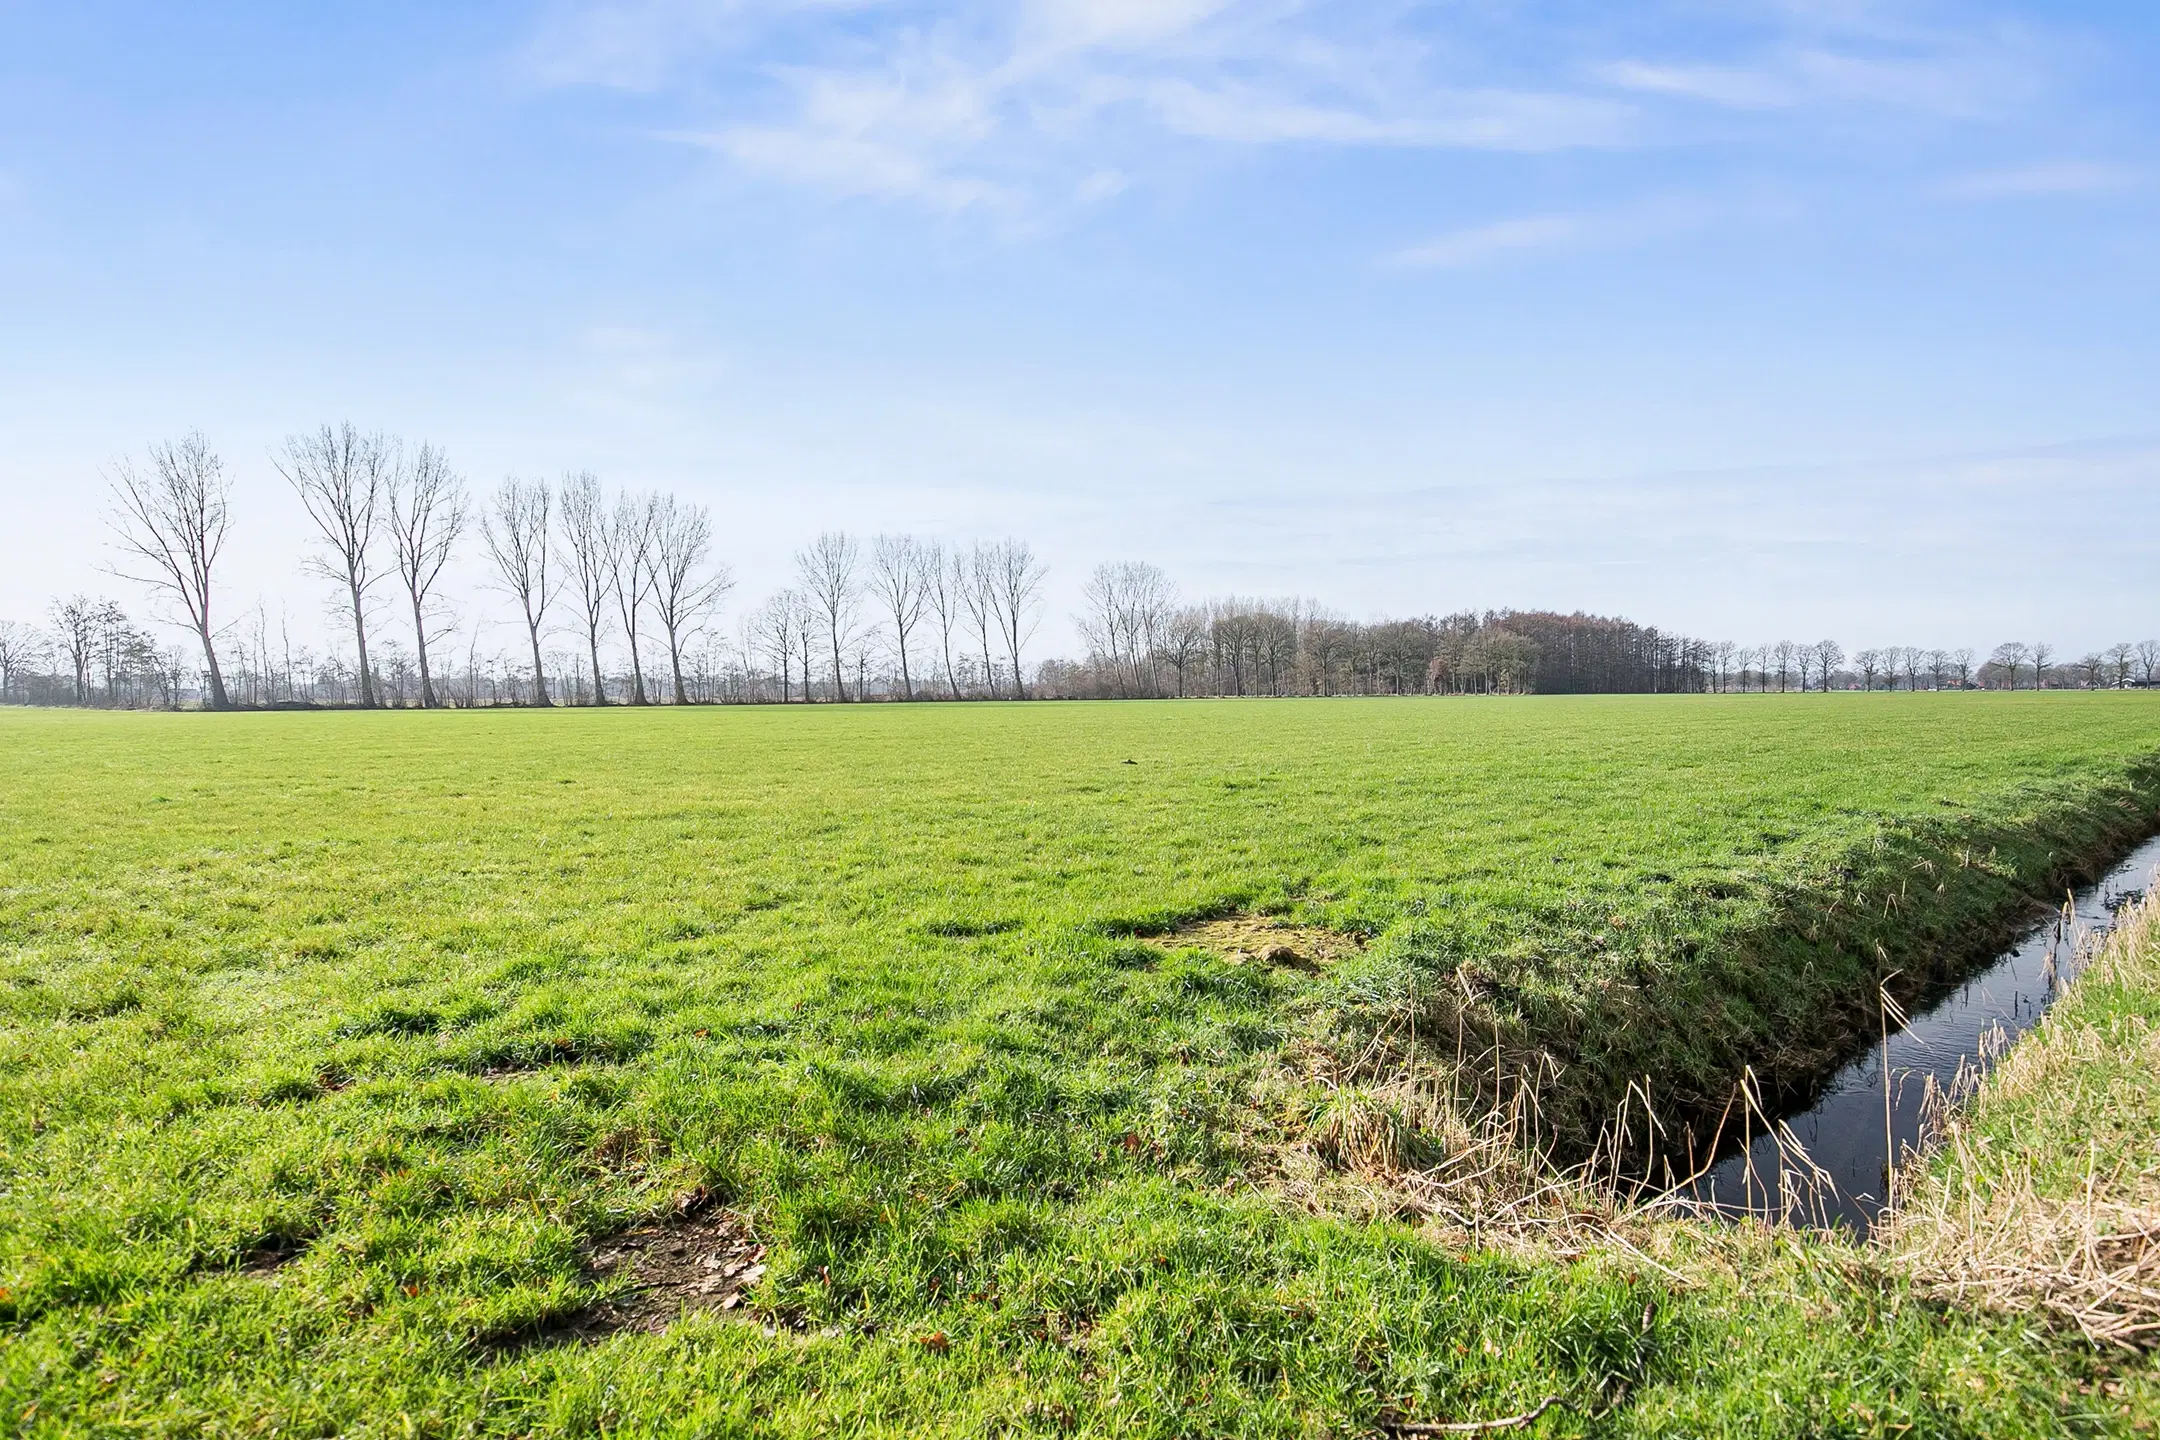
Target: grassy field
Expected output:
[331,1044]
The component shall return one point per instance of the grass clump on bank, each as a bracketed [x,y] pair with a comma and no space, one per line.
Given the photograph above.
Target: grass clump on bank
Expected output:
[333,1046]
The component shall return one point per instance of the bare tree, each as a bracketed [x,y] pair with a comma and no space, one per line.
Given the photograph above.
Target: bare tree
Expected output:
[19,650]
[1961,662]
[900,578]
[2093,667]
[2148,659]
[773,627]
[865,640]
[516,526]
[1184,643]
[2119,658]
[682,589]
[1014,580]
[948,578]
[114,644]
[1099,622]
[2009,657]
[170,523]
[588,556]
[803,617]
[1323,647]
[340,476]
[1129,607]
[2042,653]
[1784,652]
[1938,665]
[1722,655]
[980,610]
[427,514]
[76,623]
[1870,664]
[1912,659]
[828,568]
[1828,656]
[630,555]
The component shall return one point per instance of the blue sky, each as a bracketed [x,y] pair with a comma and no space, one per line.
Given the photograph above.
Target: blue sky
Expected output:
[1750,319]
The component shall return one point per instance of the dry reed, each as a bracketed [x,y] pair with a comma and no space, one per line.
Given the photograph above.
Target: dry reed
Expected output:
[2048,1226]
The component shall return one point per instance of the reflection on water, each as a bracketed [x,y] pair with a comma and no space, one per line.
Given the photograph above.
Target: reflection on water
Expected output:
[1830,1164]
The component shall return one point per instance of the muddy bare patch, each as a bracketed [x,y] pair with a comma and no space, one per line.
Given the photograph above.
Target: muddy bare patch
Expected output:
[271,1254]
[702,1259]
[1264,939]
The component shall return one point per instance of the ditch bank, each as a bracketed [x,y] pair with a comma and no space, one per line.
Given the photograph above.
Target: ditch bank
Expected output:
[1773,975]
[1832,1162]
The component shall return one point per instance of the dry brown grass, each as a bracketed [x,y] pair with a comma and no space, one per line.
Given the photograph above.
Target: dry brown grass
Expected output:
[1244,938]
[2045,1196]
[1401,1133]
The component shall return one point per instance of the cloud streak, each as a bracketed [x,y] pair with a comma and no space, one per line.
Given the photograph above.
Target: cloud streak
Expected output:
[2055,177]
[989,105]
[1009,106]
[1485,242]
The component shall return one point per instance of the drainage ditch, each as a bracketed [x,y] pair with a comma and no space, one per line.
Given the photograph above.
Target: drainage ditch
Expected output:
[1828,1162]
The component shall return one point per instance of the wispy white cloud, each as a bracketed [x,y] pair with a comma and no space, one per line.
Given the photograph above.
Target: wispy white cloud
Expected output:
[1845,54]
[1067,23]
[2055,177]
[645,45]
[992,104]
[907,131]
[1478,244]
[1470,120]
[1009,106]
[1738,86]
[1101,186]
[1484,242]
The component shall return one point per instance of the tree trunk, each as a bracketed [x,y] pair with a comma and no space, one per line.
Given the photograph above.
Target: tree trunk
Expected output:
[217,677]
[367,678]
[427,678]
[839,674]
[674,655]
[540,695]
[1019,684]
[599,690]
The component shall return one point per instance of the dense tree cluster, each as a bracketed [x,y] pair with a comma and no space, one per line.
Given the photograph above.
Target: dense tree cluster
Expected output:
[1142,641]
[616,597]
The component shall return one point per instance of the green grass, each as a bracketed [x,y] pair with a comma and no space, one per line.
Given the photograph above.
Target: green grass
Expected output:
[437,998]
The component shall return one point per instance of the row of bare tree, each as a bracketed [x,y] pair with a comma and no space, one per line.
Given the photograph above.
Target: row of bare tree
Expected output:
[591,566]
[2011,666]
[628,558]
[574,558]
[895,599]
[93,654]
[382,510]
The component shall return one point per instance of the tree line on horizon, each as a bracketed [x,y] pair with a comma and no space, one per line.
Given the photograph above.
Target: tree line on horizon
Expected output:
[630,577]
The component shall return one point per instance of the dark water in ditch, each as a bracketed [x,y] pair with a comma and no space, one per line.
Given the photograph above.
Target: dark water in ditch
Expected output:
[1828,1165]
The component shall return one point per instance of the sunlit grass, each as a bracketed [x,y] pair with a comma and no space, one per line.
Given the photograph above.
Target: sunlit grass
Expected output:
[432,999]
